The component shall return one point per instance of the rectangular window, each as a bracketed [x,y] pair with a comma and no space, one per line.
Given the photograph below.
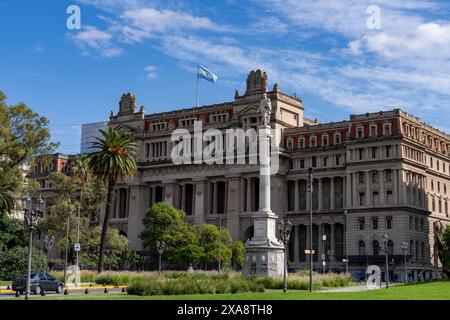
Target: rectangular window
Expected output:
[374,223]
[301,143]
[389,222]
[388,151]
[373,131]
[324,140]
[337,138]
[361,177]
[338,159]
[374,176]
[360,153]
[361,223]
[389,175]
[359,132]
[374,152]
[362,197]
[375,198]
[314,161]
[389,197]
[302,163]
[325,161]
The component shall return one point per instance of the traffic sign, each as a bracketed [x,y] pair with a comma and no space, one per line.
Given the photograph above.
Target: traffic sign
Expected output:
[77,247]
[307,251]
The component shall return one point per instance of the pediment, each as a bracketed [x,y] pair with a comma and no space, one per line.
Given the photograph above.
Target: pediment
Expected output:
[249,110]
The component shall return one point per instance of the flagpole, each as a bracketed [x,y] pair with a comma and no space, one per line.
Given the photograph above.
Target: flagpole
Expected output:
[196,93]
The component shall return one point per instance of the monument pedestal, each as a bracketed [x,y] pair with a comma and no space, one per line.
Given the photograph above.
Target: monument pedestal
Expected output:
[264,254]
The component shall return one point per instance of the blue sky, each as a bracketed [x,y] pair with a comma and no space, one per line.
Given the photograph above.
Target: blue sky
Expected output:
[323,51]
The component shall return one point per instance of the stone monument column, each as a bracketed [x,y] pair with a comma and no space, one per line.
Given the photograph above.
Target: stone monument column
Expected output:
[264,253]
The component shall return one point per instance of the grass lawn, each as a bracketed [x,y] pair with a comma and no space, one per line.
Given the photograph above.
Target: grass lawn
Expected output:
[4,283]
[439,290]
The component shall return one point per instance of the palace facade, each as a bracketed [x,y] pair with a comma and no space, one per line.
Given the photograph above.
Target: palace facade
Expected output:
[380,180]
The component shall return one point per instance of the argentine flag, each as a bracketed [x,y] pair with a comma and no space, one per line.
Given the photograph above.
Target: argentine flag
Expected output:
[204,73]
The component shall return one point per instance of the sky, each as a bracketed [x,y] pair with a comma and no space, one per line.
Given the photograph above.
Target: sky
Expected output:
[341,57]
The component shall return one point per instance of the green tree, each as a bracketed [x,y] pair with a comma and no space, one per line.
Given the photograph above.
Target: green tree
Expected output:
[446,250]
[11,232]
[6,196]
[24,134]
[238,251]
[115,161]
[216,242]
[14,262]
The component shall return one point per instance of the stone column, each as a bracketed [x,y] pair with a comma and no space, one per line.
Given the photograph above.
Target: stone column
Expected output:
[355,190]
[395,192]
[297,243]
[199,196]
[233,200]
[320,195]
[332,195]
[367,191]
[402,187]
[296,196]
[170,192]
[382,193]
[249,195]
[332,240]
[348,190]
[214,198]
[137,207]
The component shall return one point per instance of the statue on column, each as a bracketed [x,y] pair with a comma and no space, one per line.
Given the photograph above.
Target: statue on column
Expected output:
[265,109]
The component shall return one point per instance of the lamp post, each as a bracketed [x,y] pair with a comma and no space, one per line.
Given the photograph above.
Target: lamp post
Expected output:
[405,251]
[33,209]
[310,190]
[324,239]
[284,228]
[346,242]
[219,257]
[386,238]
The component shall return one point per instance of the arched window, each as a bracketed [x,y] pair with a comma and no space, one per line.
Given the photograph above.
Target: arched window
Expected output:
[423,251]
[376,247]
[362,248]
[390,247]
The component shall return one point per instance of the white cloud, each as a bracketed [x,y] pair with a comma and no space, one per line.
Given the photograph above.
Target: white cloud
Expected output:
[93,38]
[151,72]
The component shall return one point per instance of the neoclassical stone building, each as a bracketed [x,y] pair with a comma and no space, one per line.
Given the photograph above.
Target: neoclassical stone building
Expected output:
[374,174]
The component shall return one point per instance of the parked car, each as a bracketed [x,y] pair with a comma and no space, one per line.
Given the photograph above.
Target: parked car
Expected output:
[39,281]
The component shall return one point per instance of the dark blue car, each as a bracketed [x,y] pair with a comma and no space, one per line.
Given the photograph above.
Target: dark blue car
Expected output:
[39,281]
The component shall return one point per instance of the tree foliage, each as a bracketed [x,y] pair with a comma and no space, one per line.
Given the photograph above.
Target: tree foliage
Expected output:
[14,262]
[185,243]
[115,160]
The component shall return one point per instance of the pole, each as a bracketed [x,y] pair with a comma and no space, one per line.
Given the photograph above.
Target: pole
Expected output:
[196,92]
[77,268]
[311,229]
[387,265]
[67,249]
[285,269]
[220,244]
[160,262]
[406,272]
[28,289]
[323,248]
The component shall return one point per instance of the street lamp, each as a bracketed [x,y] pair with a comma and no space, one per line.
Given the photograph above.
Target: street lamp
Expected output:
[404,247]
[346,242]
[310,190]
[324,239]
[284,228]
[33,209]
[386,238]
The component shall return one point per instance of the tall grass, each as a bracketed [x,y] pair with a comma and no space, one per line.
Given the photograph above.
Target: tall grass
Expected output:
[209,282]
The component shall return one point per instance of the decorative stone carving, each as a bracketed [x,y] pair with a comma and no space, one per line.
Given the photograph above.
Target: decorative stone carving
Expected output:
[256,82]
[265,108]
[127,103]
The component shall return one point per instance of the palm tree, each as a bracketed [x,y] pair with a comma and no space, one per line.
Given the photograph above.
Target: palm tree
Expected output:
[115,160]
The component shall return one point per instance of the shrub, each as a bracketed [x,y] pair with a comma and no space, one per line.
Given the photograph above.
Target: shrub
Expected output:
[14,262]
